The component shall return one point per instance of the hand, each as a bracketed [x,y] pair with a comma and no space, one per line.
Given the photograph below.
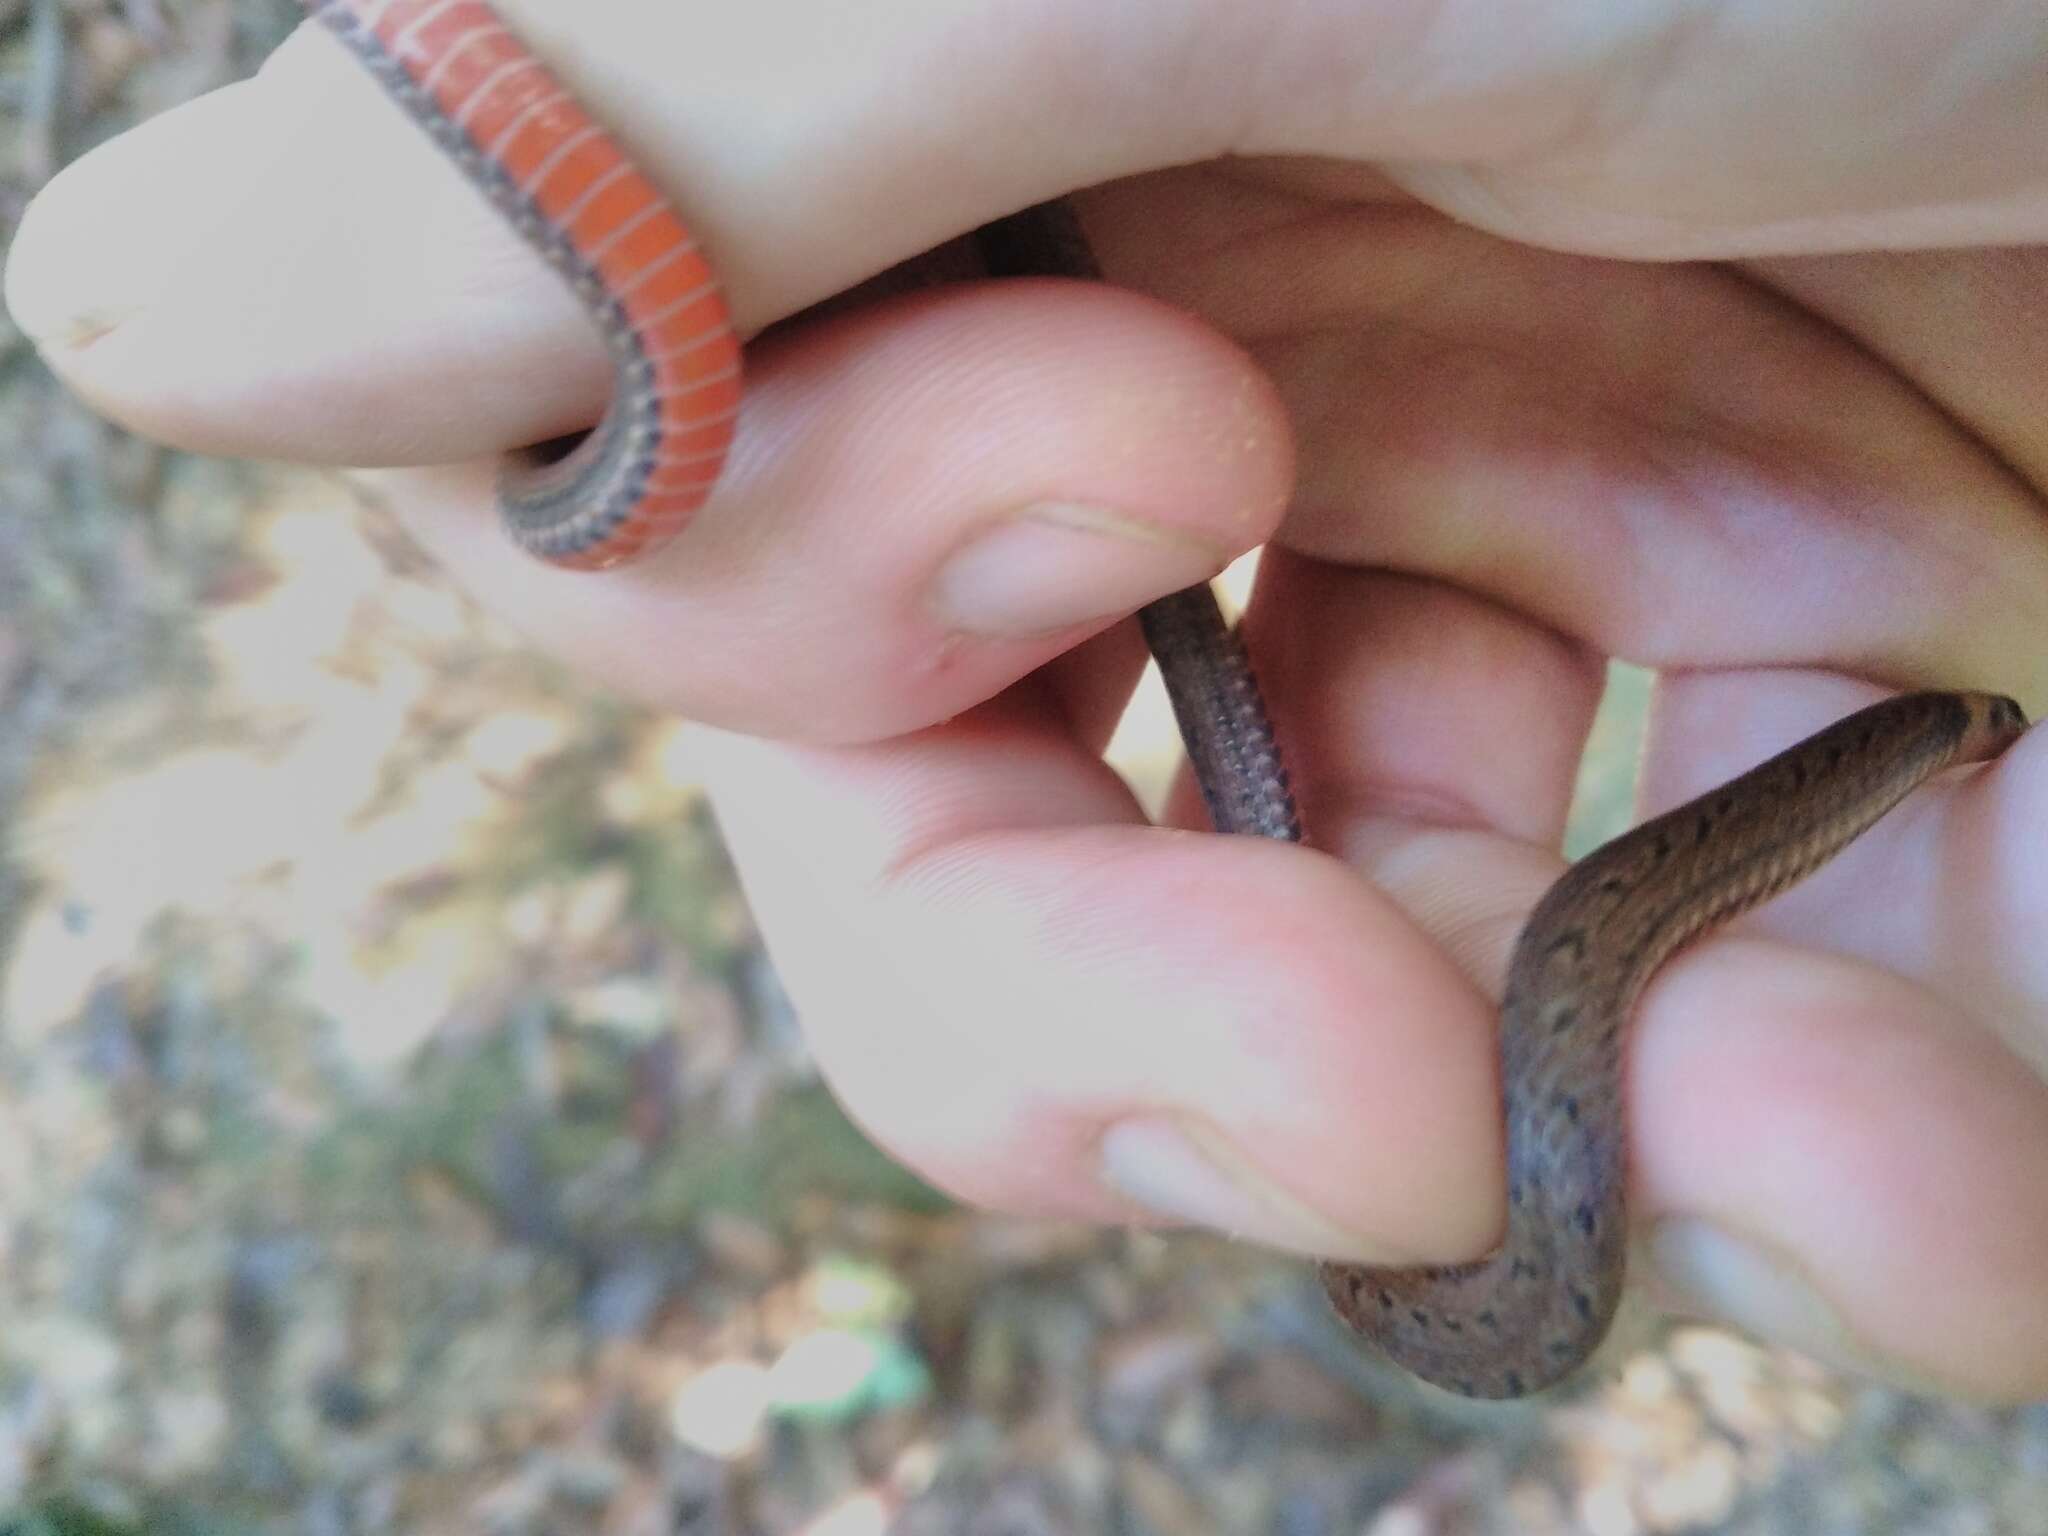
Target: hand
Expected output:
[1428,315]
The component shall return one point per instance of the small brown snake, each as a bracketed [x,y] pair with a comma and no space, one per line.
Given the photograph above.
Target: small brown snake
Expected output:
[1533,1310]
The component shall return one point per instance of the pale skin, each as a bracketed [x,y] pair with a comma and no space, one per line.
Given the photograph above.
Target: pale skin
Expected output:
[1432,340]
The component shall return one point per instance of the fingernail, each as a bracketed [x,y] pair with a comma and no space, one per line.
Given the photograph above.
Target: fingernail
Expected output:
[1180,1168]
[1758,1289]
[1055,565]
[63,293]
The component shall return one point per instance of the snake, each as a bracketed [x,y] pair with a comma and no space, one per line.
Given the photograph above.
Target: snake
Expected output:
[1535,1309]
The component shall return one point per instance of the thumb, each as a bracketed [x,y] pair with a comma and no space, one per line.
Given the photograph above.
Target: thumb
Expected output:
[815,145]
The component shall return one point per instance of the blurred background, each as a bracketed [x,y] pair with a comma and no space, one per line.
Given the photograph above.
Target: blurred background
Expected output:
[402,1129]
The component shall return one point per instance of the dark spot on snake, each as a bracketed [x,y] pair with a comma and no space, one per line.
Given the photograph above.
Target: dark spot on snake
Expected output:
[1486,1319]
[1662,846]
[1421,1318]
[1514,1381]
[1834,757]
[1587,1218]
[1452,1325]
[1798,774]
[1570,1105]
[1563,1020]
[1463,1387]
[1573,939]
[1521,1269]
[1583,1305]
[1514,1194]
[1724,805]
[1386,1300]
[1865,737]
[1701,829]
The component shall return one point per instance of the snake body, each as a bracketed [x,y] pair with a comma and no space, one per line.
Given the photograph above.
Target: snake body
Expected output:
[1533,1310]
[578,199]
[1536,1308]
